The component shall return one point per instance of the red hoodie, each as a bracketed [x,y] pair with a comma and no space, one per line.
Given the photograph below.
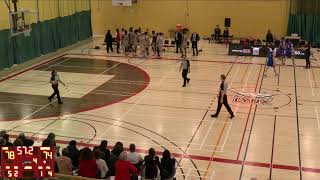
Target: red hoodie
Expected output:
[124,169]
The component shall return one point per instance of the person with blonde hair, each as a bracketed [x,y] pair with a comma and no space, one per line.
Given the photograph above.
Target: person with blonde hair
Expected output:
[124,169]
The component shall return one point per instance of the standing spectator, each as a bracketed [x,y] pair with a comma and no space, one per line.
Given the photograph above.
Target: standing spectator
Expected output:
[108,41]
[184,44]
[74,153]
[87,166]
[102,165]
[116,151]
[168,168]
[6,137]
[178,40]
[124,169]
[269,37]
[308,54]
[25,140]
[18,142]
[134,157]
[64,163]
[194,41]
[118,39]
[160,42]
[217,33]
[105,152]
[151,165]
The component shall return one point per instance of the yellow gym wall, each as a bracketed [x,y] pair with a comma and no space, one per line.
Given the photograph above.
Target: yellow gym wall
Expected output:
[48,9]
[248,17]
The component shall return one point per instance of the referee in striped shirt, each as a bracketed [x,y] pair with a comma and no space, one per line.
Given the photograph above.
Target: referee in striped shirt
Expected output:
[185,67]
[222,98]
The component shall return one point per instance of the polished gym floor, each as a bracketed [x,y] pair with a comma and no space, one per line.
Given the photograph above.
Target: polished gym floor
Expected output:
[142,101]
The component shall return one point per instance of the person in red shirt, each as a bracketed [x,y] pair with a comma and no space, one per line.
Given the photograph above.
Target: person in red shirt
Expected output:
[87,165]
[124,169]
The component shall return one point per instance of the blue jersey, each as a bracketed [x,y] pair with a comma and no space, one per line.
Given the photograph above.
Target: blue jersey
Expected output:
[270,58]
[289,48]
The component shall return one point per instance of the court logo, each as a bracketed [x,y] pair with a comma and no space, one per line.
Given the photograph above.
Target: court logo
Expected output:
[255,98]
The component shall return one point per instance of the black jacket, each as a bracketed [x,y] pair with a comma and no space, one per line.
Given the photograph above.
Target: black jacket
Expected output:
[197,38]
[74,155]
[108,38]
[178,37]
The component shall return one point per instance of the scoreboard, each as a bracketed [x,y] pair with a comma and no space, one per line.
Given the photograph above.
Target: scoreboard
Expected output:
[27,162]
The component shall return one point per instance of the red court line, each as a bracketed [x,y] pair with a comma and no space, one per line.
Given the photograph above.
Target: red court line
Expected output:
[175,59]
[203,158]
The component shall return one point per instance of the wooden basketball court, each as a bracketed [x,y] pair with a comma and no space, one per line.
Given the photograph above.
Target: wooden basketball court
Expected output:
[141,101]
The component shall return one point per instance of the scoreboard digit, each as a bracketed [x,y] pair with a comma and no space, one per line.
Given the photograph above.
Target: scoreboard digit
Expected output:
[27,162]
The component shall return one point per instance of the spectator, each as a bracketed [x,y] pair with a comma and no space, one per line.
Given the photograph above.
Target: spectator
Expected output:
[52,139]
[104,150]
[167,166]
[151,165]
[217,33]
[25,140]
[18,142]
[269,37]
[46,143]
[116,151]
[226,34]
[64,163]
[87,165]
[102,165]
[74,153]
[6,137]
[124,169]
[134,157]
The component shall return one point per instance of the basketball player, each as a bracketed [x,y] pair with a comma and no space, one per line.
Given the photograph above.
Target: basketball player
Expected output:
[154,42]
[142,45]
[147,42]
[159,43]
[282,51]
[289,50]
[222,98]
[308,54]
[185,67]
[270,60]
[125,43]
[135,42]
[54,81]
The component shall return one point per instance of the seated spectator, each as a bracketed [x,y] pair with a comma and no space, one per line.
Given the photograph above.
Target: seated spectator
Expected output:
[151,165]
[6,137]
[52,138]
[104,150]
[102,165]
[116,151]
[64,163]
[74,153]
[47,143]
[17,142]
[87,165]
[134,157]
[25,140]
[217,33]
[124,169]
[226,33]
[168,168]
